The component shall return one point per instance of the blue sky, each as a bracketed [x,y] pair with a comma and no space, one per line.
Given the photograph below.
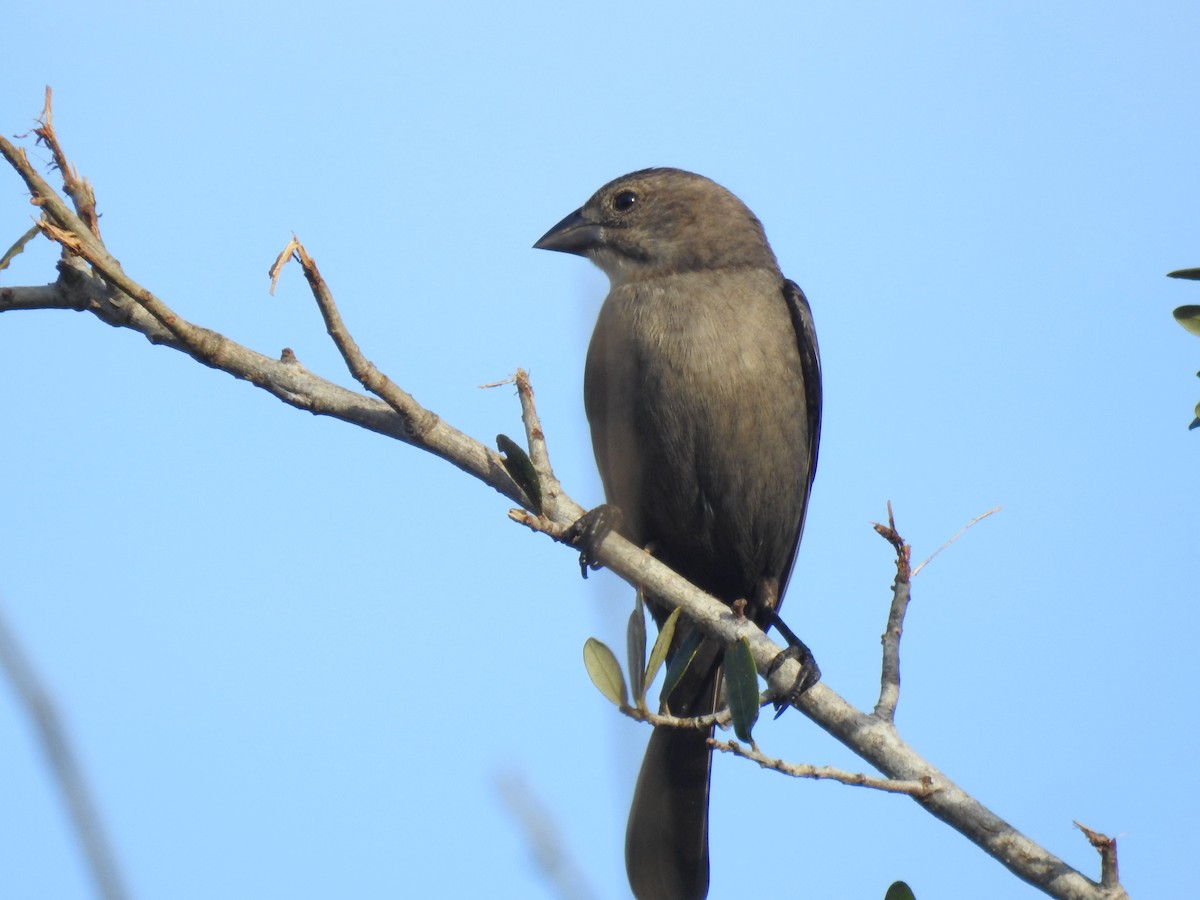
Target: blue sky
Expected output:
[296,657]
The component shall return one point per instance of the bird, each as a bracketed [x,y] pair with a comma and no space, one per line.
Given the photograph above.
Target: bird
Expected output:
[702,388]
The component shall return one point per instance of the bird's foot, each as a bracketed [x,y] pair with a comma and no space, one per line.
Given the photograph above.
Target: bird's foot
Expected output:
[589,531]
[810,672]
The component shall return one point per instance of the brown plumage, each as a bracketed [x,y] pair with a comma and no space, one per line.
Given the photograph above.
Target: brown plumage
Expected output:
[703,390]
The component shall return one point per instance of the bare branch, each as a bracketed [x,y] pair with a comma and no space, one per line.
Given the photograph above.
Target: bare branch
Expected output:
[418,420]
[103,288]
[721,718]
[1107,848]
[121,301]
[78,189]
[43,296]
[802,770]
[889,676]
[533,431]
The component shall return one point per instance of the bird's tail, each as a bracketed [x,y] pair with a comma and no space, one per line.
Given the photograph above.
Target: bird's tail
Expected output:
[666,842]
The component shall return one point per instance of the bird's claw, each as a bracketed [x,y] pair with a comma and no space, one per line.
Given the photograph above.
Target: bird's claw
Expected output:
[810,672]
[589,531]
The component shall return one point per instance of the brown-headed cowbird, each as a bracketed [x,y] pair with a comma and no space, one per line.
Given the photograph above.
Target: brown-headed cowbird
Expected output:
[703,390]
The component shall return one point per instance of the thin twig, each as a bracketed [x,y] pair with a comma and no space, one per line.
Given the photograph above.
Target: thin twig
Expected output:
[286,379]
[66,228]
[78,189]
[418,419]
[803,770]
[721,718]
[957,535]
[65,767]
[889,679]
[889,675]
[536,438]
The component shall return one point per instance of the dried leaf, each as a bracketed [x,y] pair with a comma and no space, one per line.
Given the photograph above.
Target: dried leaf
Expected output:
[18,246]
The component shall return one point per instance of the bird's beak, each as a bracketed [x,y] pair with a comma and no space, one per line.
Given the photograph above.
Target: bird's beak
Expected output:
[574,234]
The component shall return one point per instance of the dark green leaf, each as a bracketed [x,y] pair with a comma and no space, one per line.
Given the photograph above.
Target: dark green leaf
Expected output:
[605,671]
[899,891]
[635,640]
[679,662]
[520,469]
[741,688]
[1190,274]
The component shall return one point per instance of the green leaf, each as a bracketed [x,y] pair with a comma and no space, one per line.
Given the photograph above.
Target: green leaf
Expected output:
[1195,421]
[679,662]
[899,891]
[520,468]
[605,671]
[635,641]
[1190,274]
[1188,317]
[662,644]
[741,688]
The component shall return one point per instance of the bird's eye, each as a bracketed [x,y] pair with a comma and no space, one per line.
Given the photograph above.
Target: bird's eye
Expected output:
[624,201]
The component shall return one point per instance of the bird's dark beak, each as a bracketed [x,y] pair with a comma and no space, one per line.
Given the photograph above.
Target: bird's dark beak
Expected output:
[574,234]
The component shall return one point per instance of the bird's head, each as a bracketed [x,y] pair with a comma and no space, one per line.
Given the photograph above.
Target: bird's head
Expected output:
[658,222]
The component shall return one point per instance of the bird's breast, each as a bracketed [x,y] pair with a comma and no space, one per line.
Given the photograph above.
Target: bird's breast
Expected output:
[695,395]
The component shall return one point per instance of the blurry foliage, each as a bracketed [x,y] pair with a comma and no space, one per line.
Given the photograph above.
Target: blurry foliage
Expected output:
[1189,318]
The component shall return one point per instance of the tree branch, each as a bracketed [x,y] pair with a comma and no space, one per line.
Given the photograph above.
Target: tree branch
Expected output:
[1107,848]
[801,770]
[91,279]
[418,420]
[889,677]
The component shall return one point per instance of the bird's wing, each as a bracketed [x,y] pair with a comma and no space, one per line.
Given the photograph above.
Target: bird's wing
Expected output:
[810,364]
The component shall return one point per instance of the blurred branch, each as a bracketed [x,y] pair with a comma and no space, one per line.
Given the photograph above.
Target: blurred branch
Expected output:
[91,280]
[64,766]
[542,833]
[1189,318]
